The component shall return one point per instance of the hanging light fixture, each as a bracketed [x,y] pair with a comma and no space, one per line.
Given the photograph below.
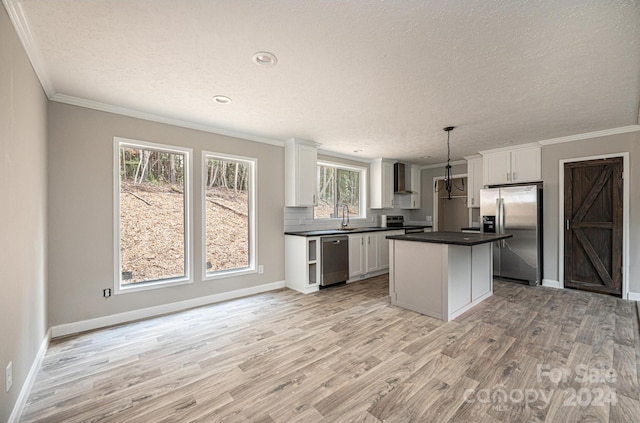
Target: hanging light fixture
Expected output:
[448,181]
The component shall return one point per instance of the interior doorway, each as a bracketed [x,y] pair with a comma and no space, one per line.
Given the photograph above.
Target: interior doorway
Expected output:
[593,225]
[450,214]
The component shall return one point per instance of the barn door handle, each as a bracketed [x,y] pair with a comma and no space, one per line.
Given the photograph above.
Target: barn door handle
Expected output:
[568,224]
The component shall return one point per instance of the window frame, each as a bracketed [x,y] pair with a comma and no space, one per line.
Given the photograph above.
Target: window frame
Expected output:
[363,190]
[118,143]
[252,211]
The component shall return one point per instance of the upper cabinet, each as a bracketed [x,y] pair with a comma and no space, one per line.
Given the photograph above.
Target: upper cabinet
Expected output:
[474,180]
[300,172]
[381,184]
[512,166]
[416,178]
[410,201]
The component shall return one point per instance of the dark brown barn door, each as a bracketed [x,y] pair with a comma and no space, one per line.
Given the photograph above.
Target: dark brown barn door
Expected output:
[593,225]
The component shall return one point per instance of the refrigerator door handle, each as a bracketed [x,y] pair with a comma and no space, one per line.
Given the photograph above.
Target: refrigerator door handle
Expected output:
[497,222]
[504,243]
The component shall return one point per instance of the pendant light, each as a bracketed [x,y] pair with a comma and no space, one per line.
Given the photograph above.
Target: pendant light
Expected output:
[448,182]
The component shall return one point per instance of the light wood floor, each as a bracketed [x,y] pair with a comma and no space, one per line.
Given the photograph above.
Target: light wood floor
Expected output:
[346,354]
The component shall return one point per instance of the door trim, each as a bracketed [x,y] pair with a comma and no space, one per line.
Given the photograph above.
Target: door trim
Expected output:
[625,216]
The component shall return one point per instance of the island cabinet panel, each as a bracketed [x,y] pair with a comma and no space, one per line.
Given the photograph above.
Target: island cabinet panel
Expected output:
[416,270]
[439,280]
[482,276]
[459,276]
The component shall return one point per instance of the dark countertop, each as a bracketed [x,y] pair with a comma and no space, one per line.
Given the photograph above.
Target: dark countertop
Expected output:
[327,232]
[454,238]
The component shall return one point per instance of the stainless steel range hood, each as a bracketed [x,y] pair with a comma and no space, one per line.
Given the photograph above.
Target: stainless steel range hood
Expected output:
[400,185]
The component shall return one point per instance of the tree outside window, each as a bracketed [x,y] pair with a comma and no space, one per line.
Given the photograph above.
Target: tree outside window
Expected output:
[338,186]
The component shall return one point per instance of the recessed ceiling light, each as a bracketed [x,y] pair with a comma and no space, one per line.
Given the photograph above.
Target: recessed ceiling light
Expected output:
[264,58]
[222,99]
[357,151]
[426,157]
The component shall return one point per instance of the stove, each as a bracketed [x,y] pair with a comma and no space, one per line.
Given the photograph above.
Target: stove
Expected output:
[398,222]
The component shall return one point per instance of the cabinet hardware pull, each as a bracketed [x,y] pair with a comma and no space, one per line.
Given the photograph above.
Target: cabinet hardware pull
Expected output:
[568,225]
[515,176]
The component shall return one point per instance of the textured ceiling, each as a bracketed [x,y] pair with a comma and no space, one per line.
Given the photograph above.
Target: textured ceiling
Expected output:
[379,76]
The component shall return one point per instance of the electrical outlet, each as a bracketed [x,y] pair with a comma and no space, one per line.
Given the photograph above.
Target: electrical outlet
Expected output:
[106,292]
[260,268]
[9,375]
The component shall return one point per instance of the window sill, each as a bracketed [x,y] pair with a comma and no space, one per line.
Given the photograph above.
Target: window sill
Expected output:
[127,289]
[223,274]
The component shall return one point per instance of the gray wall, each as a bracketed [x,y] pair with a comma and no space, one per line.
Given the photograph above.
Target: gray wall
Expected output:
[23,209]
[551,156]
[426,189]
[81,246]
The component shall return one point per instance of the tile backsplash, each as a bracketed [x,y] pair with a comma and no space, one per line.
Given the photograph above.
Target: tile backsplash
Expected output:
[301,219]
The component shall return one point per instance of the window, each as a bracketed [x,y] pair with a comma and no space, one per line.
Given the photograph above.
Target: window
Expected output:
[229,214]
[338,186]
[152,210]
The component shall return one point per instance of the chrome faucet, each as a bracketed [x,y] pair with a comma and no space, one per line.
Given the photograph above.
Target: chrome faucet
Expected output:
[345,209]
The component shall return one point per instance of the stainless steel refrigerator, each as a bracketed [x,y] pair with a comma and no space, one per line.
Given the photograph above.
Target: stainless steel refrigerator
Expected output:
[515,210]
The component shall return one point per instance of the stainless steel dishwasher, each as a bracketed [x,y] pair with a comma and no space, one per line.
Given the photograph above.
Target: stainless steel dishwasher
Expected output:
[335,260]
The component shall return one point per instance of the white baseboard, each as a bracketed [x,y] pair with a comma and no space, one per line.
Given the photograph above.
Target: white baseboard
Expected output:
[551,283]
[115,319]
[16,414]
[633,296]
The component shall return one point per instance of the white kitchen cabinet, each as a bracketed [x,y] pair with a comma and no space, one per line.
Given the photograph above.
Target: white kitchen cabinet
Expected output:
[383,246]
[410,201]
[416,178]
[381,184]
[300,173]
[526,165]
[369,252]
[512,166]
[302,263]
[372,241]
[474,181]
[357,257]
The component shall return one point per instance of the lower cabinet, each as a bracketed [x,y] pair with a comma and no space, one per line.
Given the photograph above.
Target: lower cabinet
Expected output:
[356,255]
[372,245]
[383,243]
[369,252]
[302,263]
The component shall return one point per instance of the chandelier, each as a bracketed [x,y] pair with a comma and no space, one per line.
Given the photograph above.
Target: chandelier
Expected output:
[448,181]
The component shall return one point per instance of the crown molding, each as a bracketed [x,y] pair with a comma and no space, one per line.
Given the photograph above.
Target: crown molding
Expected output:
[343,156]
[511,147]
[589,135]
[19,21]
[95,105]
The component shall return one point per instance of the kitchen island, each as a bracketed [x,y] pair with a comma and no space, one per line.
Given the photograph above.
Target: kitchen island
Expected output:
[441,274]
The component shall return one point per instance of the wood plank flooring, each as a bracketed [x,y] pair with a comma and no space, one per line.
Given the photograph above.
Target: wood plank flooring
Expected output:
[527,354]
